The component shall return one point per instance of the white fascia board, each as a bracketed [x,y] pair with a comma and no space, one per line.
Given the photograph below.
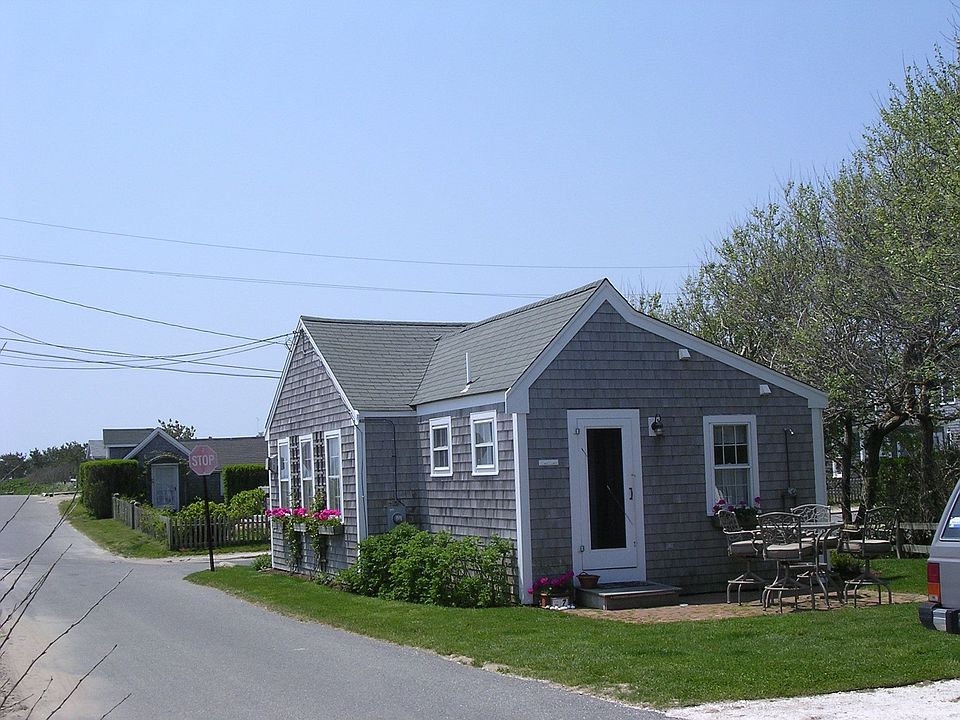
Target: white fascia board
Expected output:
[518,395]
[146,441]
[301,328]
[372,414]
[461,403]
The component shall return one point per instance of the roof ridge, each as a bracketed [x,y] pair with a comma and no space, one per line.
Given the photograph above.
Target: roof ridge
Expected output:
[539,303]
[408,323]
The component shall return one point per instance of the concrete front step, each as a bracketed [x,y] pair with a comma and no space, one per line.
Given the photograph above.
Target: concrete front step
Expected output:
[626,596]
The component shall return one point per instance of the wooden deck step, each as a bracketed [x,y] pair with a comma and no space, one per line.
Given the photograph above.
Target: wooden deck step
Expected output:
[626,596]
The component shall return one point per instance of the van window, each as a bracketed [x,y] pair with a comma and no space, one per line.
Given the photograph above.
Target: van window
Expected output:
[951,531]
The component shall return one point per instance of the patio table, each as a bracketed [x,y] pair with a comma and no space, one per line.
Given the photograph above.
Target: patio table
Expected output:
[822,570]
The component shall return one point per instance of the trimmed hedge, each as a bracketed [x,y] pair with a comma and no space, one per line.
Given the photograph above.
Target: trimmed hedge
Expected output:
[100,479]
[237,478]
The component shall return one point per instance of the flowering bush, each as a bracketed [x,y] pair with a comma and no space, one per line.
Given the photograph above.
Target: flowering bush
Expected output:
[552,585]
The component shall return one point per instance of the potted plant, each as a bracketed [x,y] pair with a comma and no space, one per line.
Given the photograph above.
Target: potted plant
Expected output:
[746,514]
[588,580]
[553,591]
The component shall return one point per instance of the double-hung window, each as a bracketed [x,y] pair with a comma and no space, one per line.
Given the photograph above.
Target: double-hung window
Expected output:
[283,471]
[441,463]
[334,474]
[730,455]
[306,471]
[483,443]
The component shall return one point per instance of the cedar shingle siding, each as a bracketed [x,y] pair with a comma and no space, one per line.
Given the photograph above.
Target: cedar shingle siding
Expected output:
[308,403]
[612,364]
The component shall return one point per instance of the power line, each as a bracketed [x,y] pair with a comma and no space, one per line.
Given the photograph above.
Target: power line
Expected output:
[167,369]
[110,364]
[136,317]
[269,281]
[327,256]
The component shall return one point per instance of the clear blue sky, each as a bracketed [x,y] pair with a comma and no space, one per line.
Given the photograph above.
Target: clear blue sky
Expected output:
[604,137]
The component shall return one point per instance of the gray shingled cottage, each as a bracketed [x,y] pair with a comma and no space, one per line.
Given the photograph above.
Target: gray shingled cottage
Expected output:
[593,436]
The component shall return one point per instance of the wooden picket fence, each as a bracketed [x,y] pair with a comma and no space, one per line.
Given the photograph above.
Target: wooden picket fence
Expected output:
[180,534]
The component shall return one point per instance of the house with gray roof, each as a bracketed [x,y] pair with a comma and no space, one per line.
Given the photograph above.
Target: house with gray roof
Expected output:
[594,437]
[169,482]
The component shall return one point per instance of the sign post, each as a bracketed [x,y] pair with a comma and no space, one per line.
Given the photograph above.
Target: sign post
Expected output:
[203,462]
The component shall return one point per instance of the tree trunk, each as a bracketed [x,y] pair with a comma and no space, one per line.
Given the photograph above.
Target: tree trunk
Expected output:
[846,458]
[873,437]
[927,468]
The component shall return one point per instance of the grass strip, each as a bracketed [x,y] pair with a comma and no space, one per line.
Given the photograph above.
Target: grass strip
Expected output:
[661,665]
[122,540]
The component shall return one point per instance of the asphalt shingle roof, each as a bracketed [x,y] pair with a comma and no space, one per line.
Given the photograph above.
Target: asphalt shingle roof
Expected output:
[235,450]
[385,365]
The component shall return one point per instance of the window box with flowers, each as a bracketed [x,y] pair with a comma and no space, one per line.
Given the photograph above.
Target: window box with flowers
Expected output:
[746,514]
[298,524]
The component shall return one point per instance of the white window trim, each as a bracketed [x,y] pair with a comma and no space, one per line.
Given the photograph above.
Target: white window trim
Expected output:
[327,436]
[484,469]
[302,440]
[285,443]
[444,422]
[710,484]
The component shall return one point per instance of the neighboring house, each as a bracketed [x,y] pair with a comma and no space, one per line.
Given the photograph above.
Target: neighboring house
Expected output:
[171,484]
[593,436]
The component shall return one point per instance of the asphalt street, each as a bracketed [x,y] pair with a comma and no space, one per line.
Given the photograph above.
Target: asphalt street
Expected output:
[185,651]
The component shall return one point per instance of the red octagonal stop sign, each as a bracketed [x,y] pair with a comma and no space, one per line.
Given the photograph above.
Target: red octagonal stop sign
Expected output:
[203,460]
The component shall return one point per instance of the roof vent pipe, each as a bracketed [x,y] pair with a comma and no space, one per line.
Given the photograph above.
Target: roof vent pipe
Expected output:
[466,360]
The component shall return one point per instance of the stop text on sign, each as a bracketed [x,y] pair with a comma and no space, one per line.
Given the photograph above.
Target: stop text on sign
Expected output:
[203,460]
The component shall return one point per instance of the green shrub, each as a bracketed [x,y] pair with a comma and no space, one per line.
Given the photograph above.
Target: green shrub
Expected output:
[237,478]
[416,566]
[846,565]
[100,479]
[247,503]
[261,562]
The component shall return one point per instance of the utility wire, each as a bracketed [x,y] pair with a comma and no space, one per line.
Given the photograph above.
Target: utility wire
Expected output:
[136,317]
[142,367]
[269,281]
[26,355]
[327,256]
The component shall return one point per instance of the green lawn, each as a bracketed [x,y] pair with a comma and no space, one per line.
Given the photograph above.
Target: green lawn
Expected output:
[775,655]
[121,540]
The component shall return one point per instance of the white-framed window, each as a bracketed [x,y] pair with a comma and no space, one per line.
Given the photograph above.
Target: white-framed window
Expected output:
[306,471]
[441,461]
[483,443]
[334,475]
[283,471]
[730,457]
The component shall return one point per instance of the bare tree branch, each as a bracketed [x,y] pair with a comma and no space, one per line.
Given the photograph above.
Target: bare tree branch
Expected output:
[14,514]
[37,702]
[126,697]
[85,676]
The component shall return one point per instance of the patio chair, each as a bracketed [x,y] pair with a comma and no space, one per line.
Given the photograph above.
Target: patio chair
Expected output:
[878,535]
[814,519]
[784,543]
[744,545]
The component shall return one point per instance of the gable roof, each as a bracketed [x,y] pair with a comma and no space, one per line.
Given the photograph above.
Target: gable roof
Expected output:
[395,366]
[378,364]
[500,347]
[124,437]
[157,432]
[235,450]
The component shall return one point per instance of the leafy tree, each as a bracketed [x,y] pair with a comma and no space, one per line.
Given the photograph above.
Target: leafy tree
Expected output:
[177,430]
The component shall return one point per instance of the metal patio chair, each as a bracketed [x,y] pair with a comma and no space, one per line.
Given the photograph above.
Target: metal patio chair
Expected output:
[744,545]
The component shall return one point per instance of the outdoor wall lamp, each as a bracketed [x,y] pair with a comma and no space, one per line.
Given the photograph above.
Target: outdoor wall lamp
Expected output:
[656,426]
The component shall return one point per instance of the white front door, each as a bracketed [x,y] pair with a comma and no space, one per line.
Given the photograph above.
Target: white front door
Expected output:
[606,493]
[165,486]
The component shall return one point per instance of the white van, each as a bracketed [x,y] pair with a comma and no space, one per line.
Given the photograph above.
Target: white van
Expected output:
[942,612]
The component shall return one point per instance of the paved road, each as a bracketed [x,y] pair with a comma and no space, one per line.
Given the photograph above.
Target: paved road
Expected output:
[192,652]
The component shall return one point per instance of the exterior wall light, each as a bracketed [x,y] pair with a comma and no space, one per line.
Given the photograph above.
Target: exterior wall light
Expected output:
[656,426]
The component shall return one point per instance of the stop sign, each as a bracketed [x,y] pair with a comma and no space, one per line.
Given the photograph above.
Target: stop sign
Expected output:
[203,460]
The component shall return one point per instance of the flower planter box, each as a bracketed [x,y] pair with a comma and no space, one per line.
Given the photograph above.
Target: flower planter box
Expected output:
[330,529]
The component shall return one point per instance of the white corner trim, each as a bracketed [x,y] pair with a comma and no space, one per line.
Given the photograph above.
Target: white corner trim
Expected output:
[360,453]
[518,395]
[521,483]
[819,455]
